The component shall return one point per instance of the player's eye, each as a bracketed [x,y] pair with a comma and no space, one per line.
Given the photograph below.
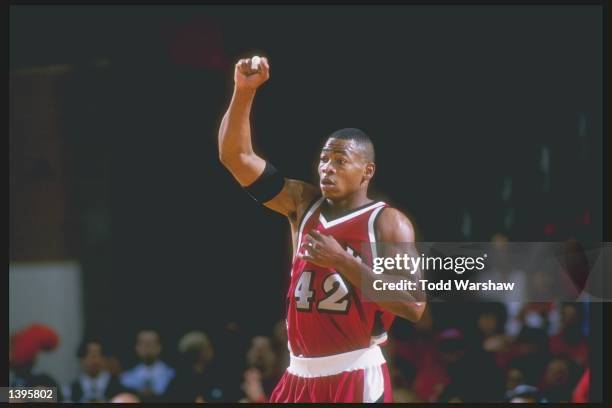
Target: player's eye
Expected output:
[324,159]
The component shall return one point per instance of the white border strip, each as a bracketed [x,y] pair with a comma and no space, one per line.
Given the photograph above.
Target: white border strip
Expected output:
[348,216]
[372,233]
[312,209]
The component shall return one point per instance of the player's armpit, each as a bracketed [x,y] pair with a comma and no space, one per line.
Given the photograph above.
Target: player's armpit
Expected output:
[293,198]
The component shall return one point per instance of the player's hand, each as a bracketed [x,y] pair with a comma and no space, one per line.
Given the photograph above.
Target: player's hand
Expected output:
[247,78]
[322,250]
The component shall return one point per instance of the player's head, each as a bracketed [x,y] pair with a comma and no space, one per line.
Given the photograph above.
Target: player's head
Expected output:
[346,163]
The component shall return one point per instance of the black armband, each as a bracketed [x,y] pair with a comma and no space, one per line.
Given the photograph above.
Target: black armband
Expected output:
[267,186]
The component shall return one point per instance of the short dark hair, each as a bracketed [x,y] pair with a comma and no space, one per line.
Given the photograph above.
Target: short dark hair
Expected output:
[358,136]
[149,329]
[83,347]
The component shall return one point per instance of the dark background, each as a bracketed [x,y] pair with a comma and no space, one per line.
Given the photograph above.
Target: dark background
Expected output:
[456,99]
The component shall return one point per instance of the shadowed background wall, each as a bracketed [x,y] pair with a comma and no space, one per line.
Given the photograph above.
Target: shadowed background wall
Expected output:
[485,120]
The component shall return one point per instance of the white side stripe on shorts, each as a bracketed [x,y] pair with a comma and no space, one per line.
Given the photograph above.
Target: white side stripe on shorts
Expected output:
[373,384]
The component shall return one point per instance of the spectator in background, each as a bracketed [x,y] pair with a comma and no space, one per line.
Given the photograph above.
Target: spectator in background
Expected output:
[112,362]
[560,378]
[525,394]
[530,353]
[472,373]
[571,340]
[95,383]
[24,347]
[402,374]
[280,345]
[151,377]
[125,398]
[514,378]
[490,323]
[252,386]
[196,380]
[543,288]
[262,372]
[541,315]
[113,365]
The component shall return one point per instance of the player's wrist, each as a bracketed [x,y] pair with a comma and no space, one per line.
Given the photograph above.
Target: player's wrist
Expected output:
[345,262]
[243,91]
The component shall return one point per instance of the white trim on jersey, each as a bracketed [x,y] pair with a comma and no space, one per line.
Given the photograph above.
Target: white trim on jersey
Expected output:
[309,367]
[372,232]
[347,217]
[381,338]
[309,213]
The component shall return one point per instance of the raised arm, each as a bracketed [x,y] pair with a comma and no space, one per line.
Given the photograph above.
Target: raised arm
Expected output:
[235,148]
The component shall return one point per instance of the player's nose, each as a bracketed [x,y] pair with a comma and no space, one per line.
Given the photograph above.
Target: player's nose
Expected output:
[327,168]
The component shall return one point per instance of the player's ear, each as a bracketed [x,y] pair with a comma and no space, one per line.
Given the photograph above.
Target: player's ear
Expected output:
[368,172]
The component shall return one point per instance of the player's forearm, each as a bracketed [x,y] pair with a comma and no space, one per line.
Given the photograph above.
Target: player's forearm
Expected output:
[235,129]
[361,275]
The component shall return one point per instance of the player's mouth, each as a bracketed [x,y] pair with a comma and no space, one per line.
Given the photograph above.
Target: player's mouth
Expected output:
[327,183]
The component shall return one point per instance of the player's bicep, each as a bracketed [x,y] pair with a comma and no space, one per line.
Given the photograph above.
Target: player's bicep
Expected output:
[395,236]
[293,197]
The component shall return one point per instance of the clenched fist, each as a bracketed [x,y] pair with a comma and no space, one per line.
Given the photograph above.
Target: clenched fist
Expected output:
[247,78]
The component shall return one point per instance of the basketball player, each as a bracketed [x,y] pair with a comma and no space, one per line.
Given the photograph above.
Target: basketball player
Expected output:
[334,332]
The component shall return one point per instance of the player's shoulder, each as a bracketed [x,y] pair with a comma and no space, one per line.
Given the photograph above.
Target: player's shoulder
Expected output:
[393,224]
[304,195]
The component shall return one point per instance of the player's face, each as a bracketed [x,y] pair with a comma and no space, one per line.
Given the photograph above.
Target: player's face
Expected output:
[342,168]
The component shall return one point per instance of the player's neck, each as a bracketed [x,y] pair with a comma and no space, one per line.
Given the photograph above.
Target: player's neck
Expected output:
[340,206]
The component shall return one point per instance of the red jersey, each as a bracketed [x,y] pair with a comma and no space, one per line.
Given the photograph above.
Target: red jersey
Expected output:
[326,314]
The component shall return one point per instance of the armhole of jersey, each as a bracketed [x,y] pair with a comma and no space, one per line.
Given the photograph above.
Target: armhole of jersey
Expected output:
[306,210]
[376,219]
[307,213]
[373,231]
[378,335]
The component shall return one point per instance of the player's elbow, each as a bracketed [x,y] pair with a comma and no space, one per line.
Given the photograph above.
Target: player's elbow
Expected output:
[413,311]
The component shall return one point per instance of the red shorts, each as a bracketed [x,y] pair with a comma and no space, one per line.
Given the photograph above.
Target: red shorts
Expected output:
[356,376]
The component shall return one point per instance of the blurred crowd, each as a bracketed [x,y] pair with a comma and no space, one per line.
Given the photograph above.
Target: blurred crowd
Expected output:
[487,351]
[528,352]
[238,368]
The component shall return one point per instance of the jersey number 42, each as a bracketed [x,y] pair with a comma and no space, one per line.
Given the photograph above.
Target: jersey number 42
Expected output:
[337,299]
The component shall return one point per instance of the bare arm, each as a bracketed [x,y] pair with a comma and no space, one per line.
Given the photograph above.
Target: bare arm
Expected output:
[235,148]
